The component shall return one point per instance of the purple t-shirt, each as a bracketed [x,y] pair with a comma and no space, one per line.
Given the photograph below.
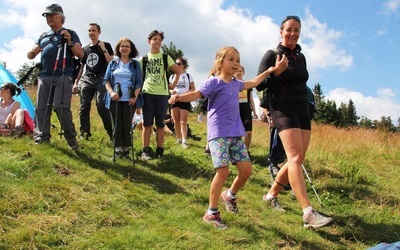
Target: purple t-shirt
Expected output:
[223,116]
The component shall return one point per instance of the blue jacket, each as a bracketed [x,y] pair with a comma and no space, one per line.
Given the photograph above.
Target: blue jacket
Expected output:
[136,79]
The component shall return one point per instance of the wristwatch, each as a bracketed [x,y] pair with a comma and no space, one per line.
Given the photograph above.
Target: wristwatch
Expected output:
[105,51]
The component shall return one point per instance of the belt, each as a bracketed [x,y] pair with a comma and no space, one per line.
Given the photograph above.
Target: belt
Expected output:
[94,75]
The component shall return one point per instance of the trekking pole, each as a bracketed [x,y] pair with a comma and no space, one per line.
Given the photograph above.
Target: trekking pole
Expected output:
[48,104]
[61,133]
[131,95]
[118,91]
[312,186]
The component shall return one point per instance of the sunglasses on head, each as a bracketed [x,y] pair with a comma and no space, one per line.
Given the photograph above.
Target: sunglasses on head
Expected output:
[291,17]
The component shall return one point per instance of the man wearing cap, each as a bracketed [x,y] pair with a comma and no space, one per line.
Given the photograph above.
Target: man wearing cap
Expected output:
[56,76]
[97,55]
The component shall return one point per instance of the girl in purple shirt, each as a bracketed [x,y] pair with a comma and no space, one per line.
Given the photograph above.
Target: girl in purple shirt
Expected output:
[225,129]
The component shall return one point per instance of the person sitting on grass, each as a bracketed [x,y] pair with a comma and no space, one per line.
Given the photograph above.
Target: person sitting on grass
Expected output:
[12,117]
[224,129]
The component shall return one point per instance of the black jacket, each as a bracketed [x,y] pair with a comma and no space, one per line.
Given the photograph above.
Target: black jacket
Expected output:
[290,86]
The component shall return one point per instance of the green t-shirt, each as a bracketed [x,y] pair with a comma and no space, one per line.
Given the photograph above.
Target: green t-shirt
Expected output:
[156,82]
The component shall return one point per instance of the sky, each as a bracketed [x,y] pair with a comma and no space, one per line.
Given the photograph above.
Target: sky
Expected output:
[351,47]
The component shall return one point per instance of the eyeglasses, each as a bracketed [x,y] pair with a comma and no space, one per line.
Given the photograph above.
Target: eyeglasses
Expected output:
[178,63]
[291,17]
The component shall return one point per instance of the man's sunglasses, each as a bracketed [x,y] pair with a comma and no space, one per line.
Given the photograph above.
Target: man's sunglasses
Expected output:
[291,17]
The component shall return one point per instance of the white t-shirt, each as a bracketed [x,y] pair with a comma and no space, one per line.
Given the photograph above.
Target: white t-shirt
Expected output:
[4,112]
[183,84]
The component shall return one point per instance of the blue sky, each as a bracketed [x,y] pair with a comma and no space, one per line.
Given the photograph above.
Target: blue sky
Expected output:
[351,46]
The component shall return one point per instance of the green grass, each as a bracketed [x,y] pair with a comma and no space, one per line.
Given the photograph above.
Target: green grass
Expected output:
[53,198]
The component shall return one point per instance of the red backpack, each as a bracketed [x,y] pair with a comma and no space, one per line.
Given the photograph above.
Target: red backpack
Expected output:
[28,122]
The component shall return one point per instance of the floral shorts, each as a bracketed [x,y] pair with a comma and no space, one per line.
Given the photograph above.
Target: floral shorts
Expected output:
[225,149]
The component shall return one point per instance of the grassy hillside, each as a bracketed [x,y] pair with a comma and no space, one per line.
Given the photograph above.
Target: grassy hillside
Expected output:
[54,198]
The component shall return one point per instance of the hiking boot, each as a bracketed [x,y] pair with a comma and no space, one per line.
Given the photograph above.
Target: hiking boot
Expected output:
[315,220]
[159,152]
[274,203]
[86,135]
[73,144]
[42,141]
[215,219]
[18,131]
[146,154]
[125,155]
[184,145]
[230,204]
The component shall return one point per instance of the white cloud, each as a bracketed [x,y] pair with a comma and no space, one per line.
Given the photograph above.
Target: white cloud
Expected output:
[390,7]
[320,42]
[199,28]
[381,32]
[368,106]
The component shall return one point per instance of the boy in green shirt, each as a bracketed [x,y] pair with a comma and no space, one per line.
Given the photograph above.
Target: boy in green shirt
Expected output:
[155,93]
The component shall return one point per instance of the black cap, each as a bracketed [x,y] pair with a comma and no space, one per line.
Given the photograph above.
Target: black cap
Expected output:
[53,9]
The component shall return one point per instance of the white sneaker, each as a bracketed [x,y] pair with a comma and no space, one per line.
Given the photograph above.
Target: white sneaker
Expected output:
[145,156]
[184,145]
[315,220]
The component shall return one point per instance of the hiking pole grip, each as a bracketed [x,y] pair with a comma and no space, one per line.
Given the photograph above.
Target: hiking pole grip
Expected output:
[118,89]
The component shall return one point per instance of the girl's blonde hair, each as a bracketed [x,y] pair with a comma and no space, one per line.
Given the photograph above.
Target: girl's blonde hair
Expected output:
[219,57]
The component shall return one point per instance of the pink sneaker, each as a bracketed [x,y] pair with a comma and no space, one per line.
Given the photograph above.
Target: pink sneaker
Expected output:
[230,203]
[215,219]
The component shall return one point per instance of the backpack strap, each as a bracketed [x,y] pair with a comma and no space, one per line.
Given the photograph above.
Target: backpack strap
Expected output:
[188,77]
[145,60]
[133,63]
[165,62]
[166,72]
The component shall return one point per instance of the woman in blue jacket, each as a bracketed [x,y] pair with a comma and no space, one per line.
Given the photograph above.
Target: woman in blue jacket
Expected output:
[123,82]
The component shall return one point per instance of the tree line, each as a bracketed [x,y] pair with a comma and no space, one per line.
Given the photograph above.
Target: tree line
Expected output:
[345,115]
